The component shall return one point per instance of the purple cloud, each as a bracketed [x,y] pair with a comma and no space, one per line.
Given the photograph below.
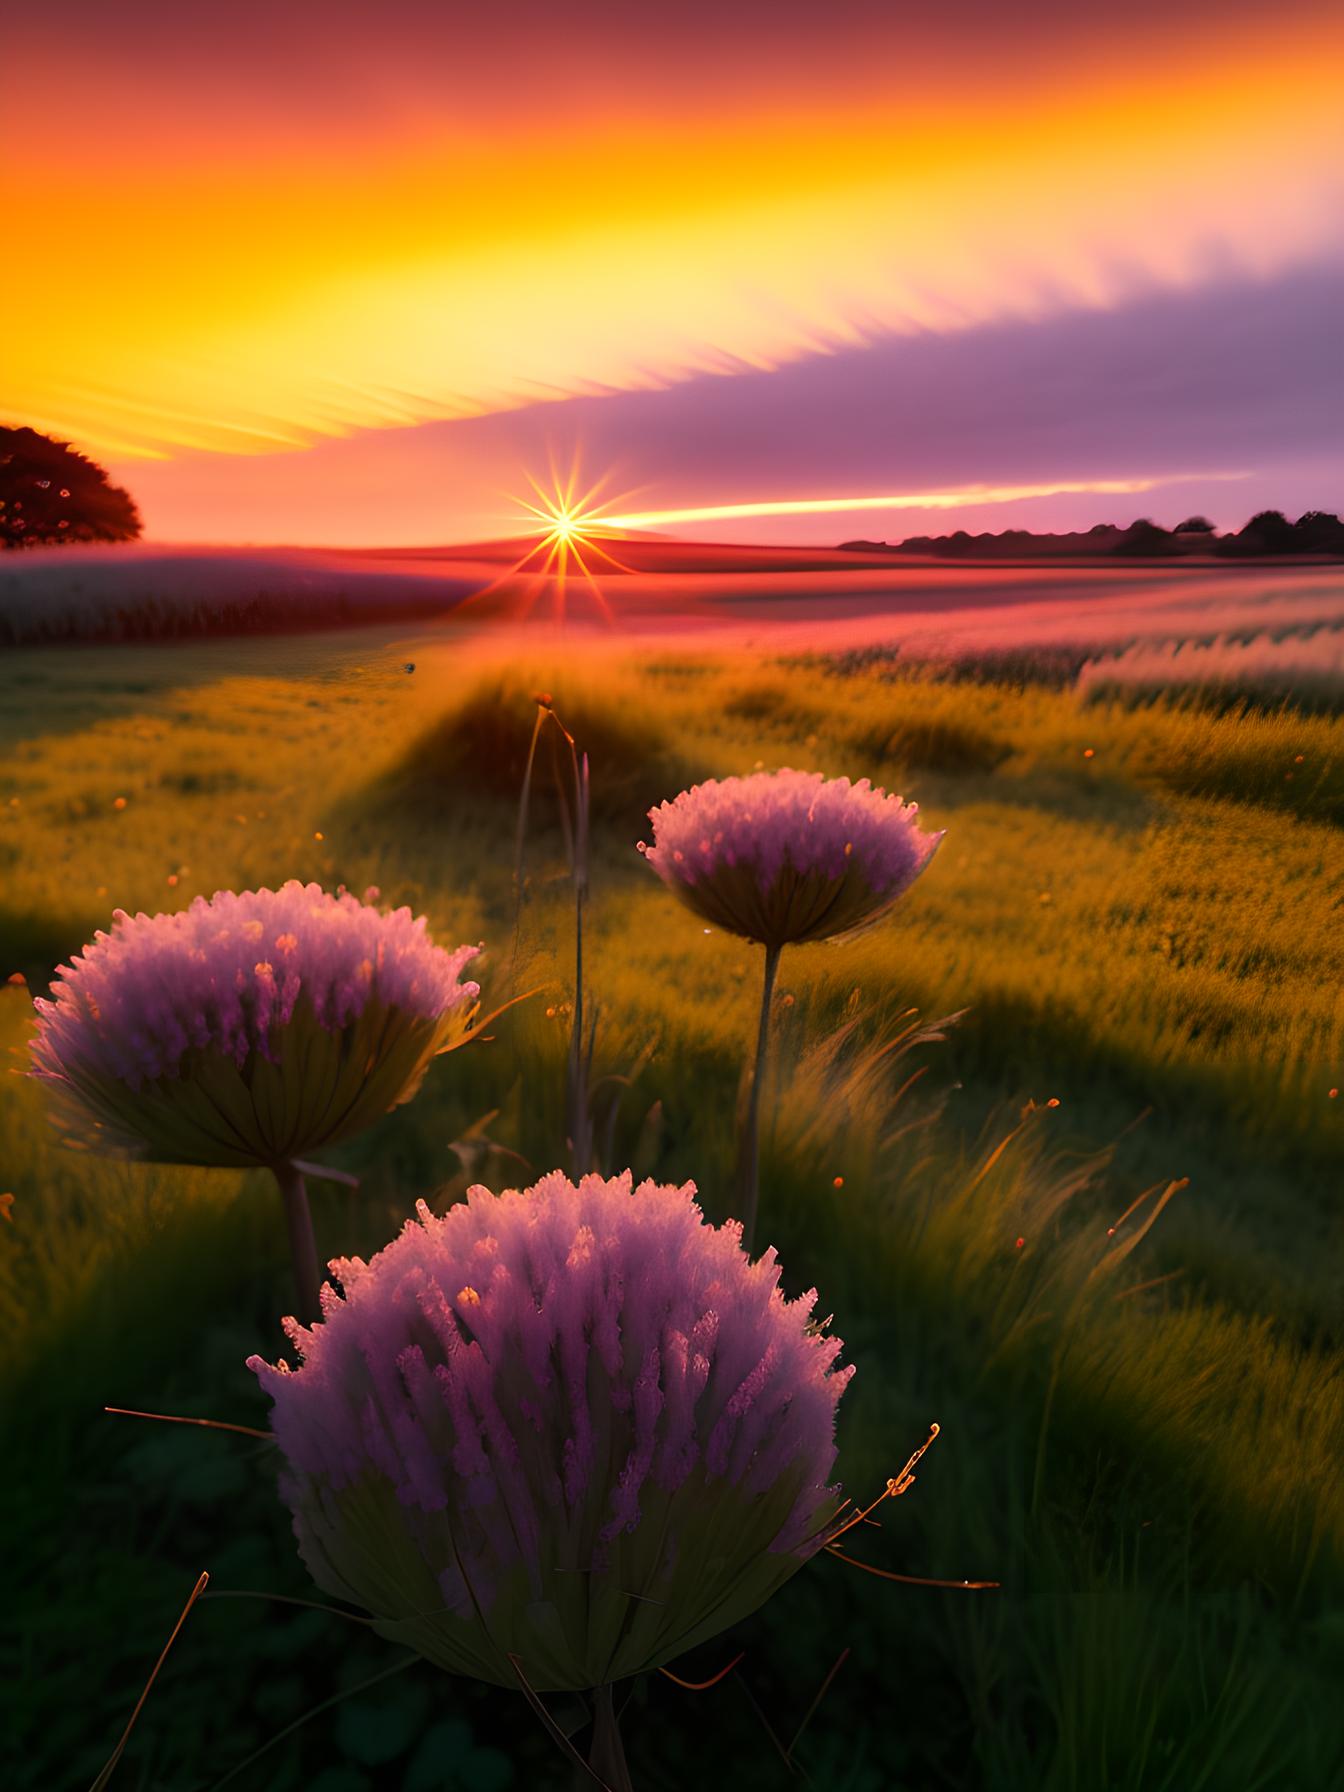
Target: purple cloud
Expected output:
[1232,377]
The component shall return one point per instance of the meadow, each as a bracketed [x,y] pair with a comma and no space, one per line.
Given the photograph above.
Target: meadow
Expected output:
[1303,667]
[1122,972]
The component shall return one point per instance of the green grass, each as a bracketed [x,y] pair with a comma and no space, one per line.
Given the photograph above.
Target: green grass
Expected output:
[1147,935]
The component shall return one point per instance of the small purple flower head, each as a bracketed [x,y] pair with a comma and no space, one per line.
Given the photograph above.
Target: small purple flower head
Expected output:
[247,1029]
[784,857]
[575,1423]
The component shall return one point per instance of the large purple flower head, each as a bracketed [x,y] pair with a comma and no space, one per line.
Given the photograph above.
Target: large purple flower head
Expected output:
[247,1029]
[574,1424]
[784,857]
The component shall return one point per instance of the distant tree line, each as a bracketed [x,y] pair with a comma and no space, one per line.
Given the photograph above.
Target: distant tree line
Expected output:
[1268,534]
[50,495]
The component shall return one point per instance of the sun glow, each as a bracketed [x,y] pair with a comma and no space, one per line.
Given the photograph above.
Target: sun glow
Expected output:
[566,528]
[561,537]
[571,520]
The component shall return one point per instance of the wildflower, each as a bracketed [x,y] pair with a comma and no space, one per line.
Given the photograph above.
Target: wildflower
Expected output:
[784,858]
[573,1424]
[248,1030]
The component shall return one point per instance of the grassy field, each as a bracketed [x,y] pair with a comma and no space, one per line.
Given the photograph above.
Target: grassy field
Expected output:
[1137,908]
[1302,666]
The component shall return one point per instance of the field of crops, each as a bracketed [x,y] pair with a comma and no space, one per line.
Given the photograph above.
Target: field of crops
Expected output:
[1134,919]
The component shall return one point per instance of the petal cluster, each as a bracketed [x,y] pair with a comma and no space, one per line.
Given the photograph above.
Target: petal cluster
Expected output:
[226,1032]
[785,857]
[575,1423]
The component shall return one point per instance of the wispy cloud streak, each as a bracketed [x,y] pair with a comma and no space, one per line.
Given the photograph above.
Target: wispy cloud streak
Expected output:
[965,497]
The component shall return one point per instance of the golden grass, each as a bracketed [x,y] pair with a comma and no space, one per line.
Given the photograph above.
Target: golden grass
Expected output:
[1149,925]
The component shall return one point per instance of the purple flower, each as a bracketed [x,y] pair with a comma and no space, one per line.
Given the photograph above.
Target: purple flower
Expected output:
[247,1029]
[574,1423]
[784,857]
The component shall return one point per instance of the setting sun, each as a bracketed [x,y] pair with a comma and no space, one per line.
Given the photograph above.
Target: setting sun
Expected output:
[568,517]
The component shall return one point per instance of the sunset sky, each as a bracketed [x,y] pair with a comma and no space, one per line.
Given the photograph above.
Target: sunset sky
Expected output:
[348,274]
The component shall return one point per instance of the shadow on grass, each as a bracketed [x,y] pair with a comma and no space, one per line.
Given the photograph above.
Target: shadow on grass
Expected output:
[1312,791]
[33,943]
[931,743]
[478,752]
[1121,807]
[1007,1040]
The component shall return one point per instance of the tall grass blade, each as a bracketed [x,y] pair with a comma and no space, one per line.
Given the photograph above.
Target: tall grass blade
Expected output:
[111,1764]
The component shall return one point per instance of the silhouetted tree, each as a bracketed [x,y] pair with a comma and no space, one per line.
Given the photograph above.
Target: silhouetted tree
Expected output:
[1195,525]
[1318,532]
[51,494]
[1271,531]
[1145,537]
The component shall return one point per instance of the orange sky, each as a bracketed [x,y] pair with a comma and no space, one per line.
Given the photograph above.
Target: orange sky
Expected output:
[223,258]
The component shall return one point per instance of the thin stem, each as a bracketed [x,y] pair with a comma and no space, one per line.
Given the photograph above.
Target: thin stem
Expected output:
[349,1692]
[173,1418]
[110,1765]
[607,1753]
[703,1685]
[751,1130]
[520,840]
[578,1095]
[302,1244]
[580,1116]
[586,1774]
[312,1605]
[811,1711]
[325,1173]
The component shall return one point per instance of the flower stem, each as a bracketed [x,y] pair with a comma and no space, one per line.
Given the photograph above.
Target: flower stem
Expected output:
[302,1244]
[580,1051]
[751,1130]
[607,1755]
